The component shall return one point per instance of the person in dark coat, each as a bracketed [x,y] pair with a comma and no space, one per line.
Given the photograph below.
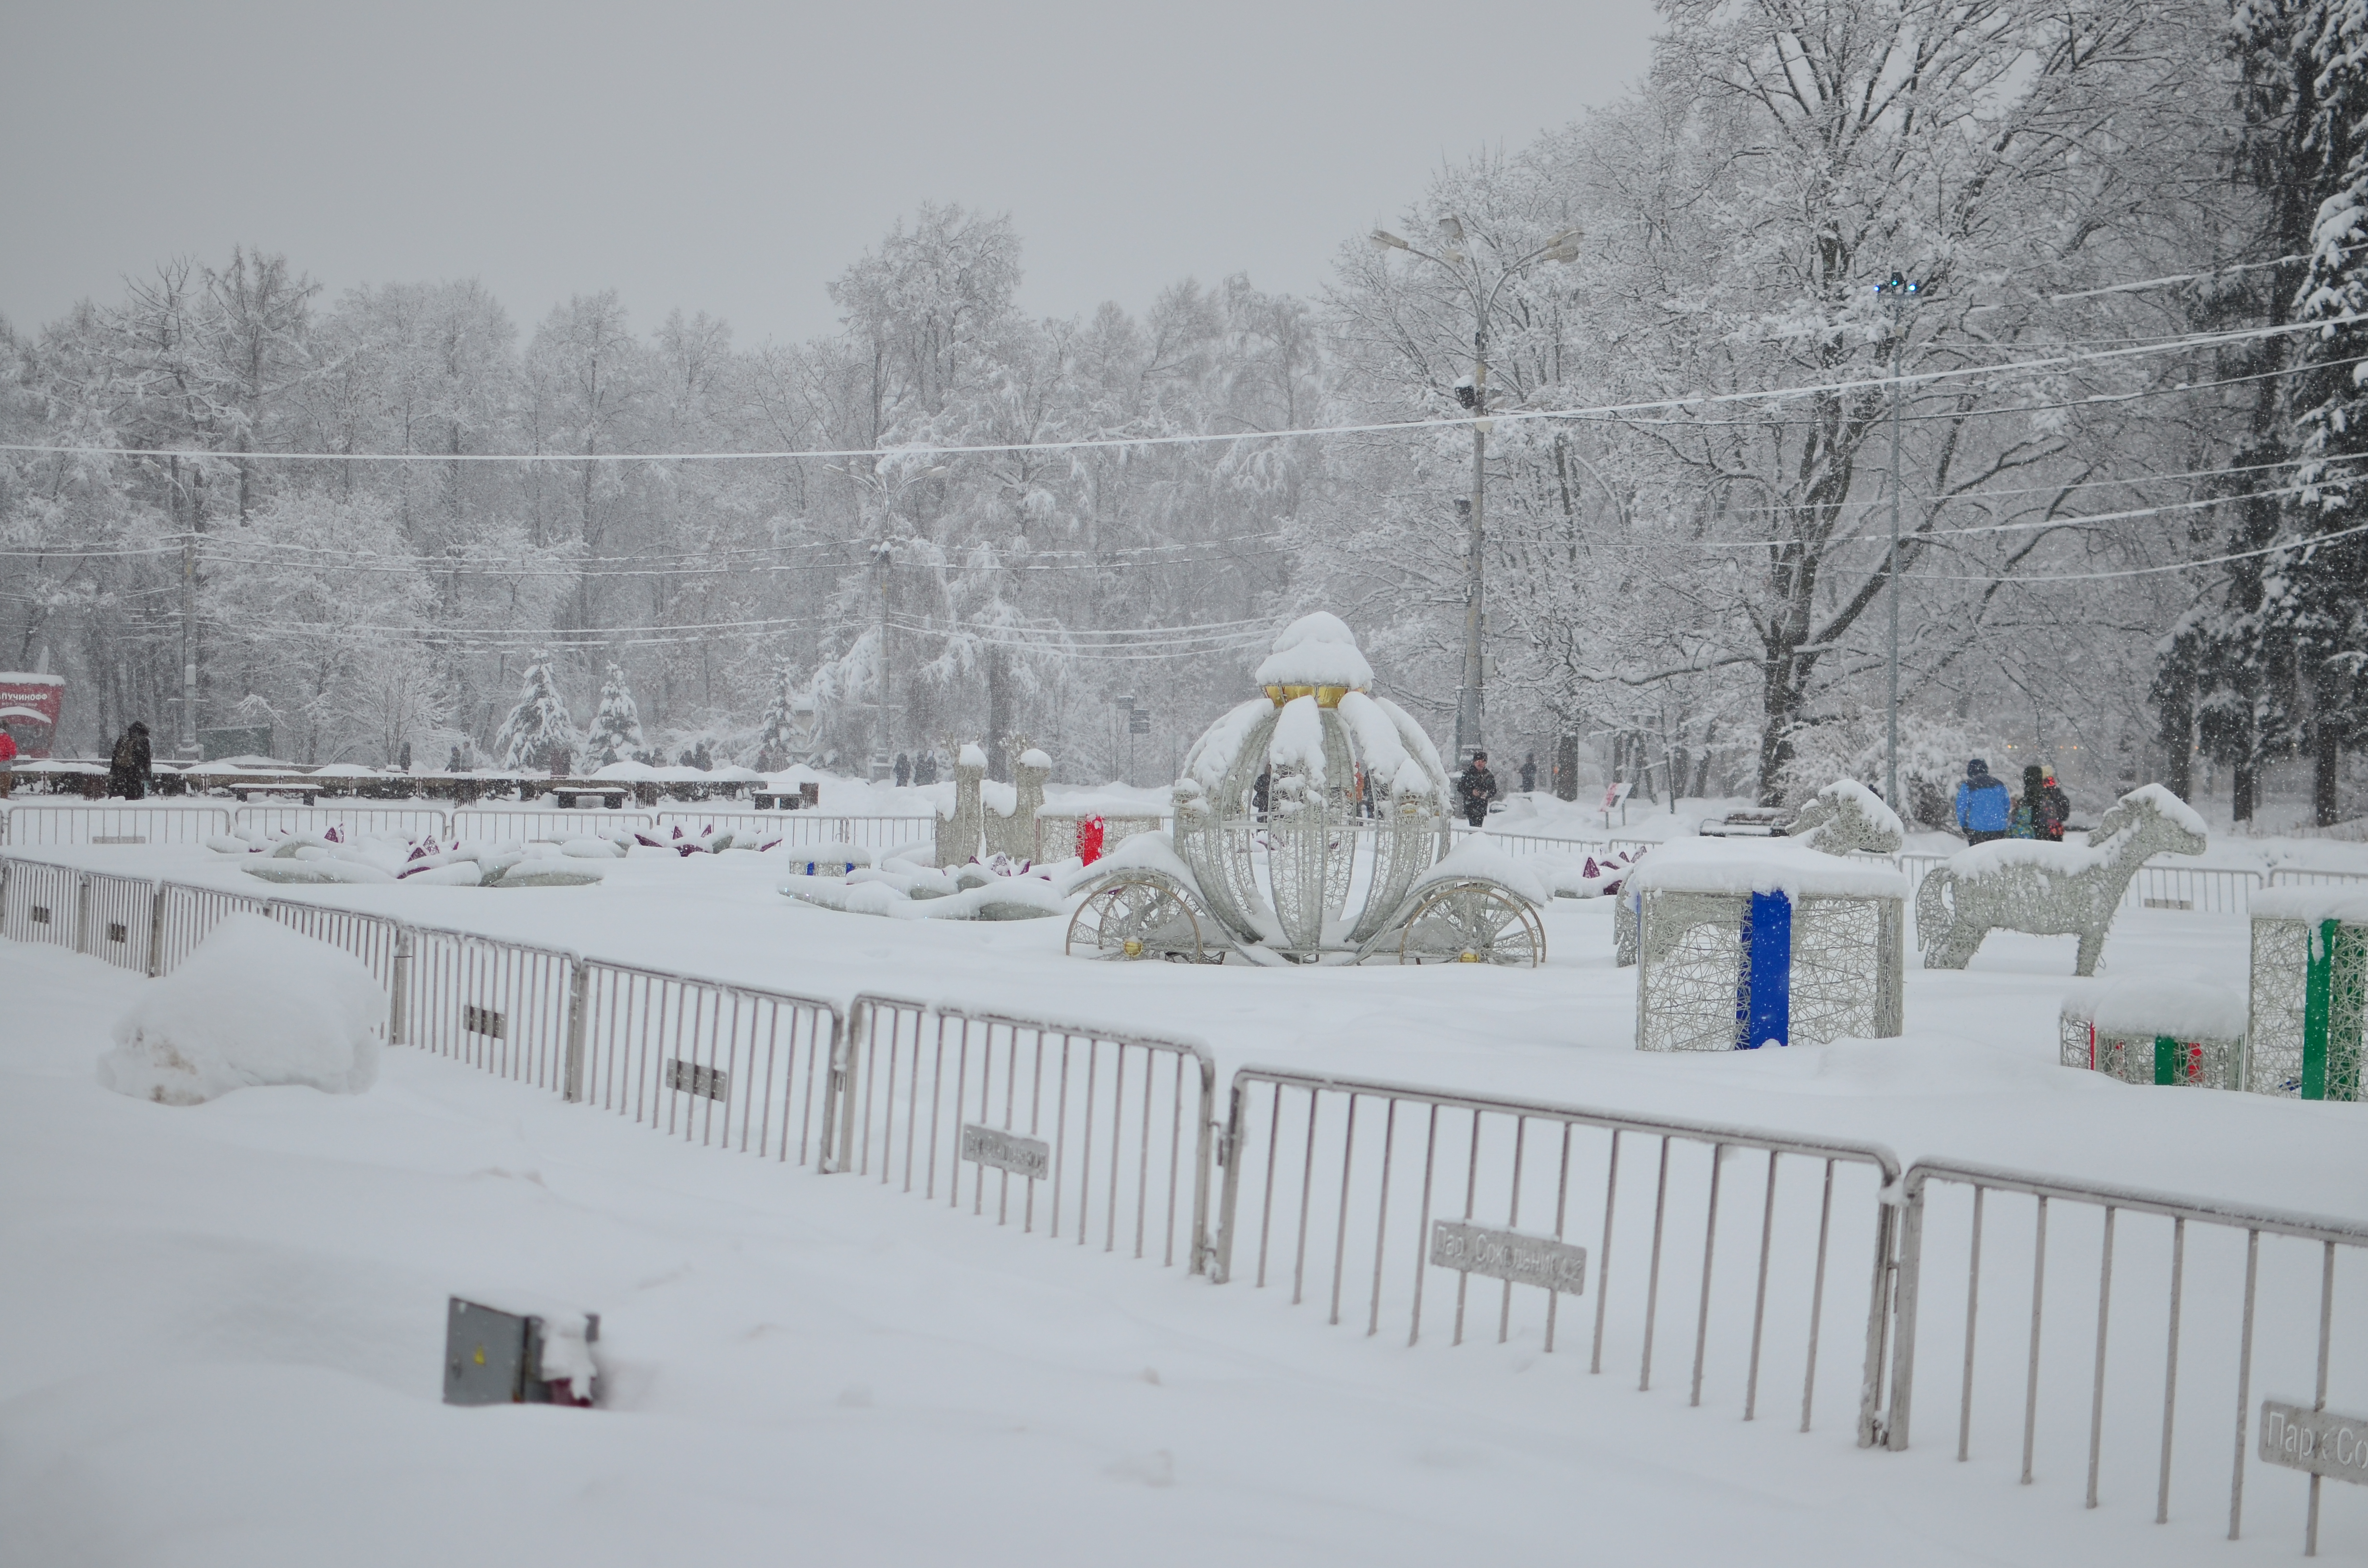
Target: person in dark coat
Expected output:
[2057,806]
[1528,773]
[1984,807]
[1260,791]
[130,770]
[903,769]
[1474,787]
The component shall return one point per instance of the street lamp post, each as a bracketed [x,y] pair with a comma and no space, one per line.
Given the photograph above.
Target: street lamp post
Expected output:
[1896,292]
[1470,695]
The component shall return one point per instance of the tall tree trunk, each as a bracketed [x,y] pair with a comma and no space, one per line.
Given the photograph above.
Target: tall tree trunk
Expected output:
[998,714]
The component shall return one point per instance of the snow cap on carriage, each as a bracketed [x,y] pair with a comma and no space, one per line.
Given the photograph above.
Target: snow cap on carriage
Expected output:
[1317,656]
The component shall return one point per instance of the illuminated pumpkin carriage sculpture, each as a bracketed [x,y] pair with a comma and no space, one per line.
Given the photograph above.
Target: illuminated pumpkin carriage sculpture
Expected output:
[1346,860]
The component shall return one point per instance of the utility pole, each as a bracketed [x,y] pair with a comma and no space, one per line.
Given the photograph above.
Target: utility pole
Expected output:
[882,558]
[1897,293]
[1471,704]
[188,748]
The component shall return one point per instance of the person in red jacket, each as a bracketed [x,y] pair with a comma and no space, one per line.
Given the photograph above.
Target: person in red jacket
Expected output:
[7,762]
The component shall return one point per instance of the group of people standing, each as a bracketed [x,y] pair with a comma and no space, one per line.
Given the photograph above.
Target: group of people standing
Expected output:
[1986,809]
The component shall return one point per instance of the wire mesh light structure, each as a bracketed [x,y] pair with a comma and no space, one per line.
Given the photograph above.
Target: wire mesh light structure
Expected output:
[2307,1017]
[1740,947]
[1311,826]
[2157,1033]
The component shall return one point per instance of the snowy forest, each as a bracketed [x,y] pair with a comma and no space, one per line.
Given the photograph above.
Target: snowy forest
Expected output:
[2131,539]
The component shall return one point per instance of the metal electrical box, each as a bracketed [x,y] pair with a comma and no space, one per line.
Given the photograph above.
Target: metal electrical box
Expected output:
[492,1357]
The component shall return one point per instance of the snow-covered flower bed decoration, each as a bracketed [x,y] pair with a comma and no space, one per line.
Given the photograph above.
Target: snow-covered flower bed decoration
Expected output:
[1743,943]
[998,888]
[2050,889]
[333,856]
[2157,1033]
[1310,827]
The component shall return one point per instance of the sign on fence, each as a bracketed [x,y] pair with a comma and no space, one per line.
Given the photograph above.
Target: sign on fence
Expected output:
[2319,1441]
[691,1078]
[1030,1157]
[483,1021]
[1508,1255]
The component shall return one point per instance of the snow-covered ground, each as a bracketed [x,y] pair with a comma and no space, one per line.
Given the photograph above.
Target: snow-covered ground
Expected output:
[223,1323]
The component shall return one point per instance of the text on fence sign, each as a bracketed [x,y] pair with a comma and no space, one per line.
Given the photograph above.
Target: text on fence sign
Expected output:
[482,1020]
[689,1077]
[2319,1441]
[1006,1151]
[1509,1255]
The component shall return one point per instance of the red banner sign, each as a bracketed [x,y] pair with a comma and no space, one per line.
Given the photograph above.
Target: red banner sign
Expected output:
[31,706]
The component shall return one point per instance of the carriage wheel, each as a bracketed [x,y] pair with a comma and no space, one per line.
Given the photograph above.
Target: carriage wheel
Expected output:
[1472,923]
[1135,920]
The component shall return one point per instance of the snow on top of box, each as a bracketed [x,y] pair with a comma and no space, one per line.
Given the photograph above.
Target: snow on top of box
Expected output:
[627,772]
[2346,903]
[1739,865]
[970,755]
[2142,1008]
[1032,757]
[1315,650]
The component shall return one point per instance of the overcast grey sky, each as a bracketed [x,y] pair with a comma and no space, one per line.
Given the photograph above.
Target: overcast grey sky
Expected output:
[733,159]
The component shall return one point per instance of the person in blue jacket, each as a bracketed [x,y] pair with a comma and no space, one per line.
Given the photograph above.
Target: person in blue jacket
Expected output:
[1983,804]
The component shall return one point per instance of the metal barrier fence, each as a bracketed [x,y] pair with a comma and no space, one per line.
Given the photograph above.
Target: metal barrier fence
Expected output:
[1535,843]
[479,824]
[40,902]
[1366,1170]
[801,827]
[375,939]
[2275,1333]
[186,916]
[403,822]
[1093,1123]
[32,826]
[2297,877]
[733,1066]
[499,1005]
[117,920]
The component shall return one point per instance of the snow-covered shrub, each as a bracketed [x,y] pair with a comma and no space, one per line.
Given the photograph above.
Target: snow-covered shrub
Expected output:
[255,1004]
[617,728]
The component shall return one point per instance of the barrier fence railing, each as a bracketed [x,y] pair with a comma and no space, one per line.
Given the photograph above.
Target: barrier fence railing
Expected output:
[1095,1124]
[2300,877]
[117,921]
[476,823]
[40,902]
[404,822]
[501,1006]
[1391,1184]
[186,916]
[732,1066]
[34,826]
[796,828]
[2189,1334]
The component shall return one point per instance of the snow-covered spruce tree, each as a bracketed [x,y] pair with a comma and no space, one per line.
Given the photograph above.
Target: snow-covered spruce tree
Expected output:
[2316,590]
[617,727]
[779,738]
[538,725]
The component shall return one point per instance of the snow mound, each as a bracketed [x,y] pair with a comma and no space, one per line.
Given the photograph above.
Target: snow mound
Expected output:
[2169,805]
[1297,743]
[255,1004]
[1315,650]
[970,755]
[1032,757]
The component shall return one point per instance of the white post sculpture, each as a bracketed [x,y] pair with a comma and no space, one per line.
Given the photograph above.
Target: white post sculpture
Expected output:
[2049,889]
[959,835]
[1015,834]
